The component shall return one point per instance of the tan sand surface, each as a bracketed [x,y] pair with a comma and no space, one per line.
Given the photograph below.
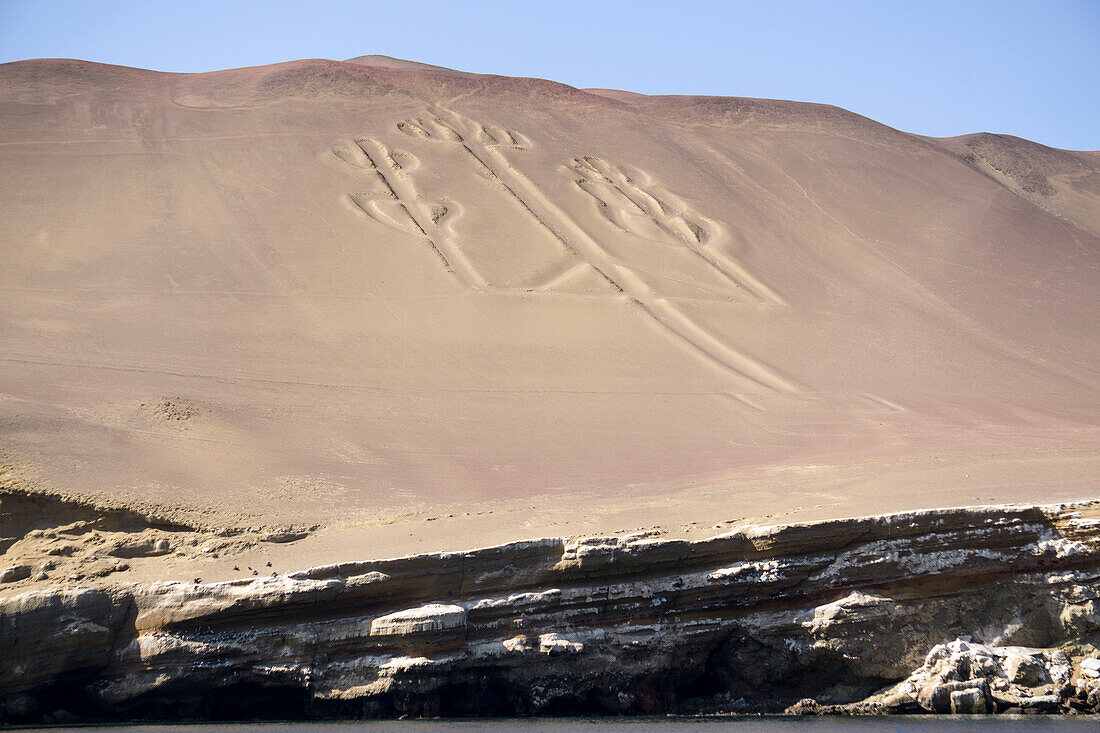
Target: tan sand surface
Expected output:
[418,309]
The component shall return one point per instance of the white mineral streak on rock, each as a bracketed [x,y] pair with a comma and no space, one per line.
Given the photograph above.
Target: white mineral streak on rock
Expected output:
[404,664]
[555,644]
[426,618]
[754,572]
[518,600]
[518,644]
[1061,547]
[909,560]
[1091,667]
[855,605]
[587,550]
[174,602]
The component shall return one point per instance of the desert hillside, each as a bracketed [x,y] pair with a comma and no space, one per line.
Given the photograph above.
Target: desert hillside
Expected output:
[359,296]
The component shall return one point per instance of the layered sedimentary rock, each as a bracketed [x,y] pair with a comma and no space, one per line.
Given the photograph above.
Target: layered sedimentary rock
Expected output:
[964,678]
[753,620]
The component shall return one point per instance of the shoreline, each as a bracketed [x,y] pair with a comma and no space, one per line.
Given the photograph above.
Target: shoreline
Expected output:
[84,534]
[834,611]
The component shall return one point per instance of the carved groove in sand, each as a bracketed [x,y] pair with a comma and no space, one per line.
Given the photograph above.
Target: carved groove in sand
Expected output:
[550,250]
[420,204]
[638,206]
[393,201]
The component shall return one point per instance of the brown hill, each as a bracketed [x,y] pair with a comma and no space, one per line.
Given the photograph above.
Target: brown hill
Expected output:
[341,293]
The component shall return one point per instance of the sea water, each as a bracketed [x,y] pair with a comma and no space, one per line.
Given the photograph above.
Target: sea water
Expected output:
[740,724]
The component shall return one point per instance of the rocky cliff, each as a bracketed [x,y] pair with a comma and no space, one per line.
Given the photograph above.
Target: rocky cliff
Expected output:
[755,620]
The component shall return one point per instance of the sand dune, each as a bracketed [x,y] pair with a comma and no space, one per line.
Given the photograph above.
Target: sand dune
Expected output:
[346,293]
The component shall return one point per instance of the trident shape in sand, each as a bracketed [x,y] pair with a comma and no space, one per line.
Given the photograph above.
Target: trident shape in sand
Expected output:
[649,214]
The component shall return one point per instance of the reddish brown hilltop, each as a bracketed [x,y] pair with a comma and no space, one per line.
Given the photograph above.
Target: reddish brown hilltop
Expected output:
[340,294]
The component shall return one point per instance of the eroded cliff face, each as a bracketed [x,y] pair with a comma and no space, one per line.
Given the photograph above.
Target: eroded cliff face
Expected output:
[754,620]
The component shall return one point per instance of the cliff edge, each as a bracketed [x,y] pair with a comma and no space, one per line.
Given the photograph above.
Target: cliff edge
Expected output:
[961,610]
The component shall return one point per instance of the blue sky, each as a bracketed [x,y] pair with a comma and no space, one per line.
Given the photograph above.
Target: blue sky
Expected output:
[938,68]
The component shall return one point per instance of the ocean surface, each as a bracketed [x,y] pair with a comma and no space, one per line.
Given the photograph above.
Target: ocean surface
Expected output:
[896,724]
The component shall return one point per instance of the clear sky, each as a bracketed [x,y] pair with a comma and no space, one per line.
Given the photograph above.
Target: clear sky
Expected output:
[938,68]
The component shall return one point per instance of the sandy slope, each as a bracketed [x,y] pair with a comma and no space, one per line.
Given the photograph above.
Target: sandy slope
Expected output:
[343,293]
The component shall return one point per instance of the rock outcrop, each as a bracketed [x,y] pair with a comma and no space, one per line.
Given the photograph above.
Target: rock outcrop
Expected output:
[834,614]
[965,678]
[66,541]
